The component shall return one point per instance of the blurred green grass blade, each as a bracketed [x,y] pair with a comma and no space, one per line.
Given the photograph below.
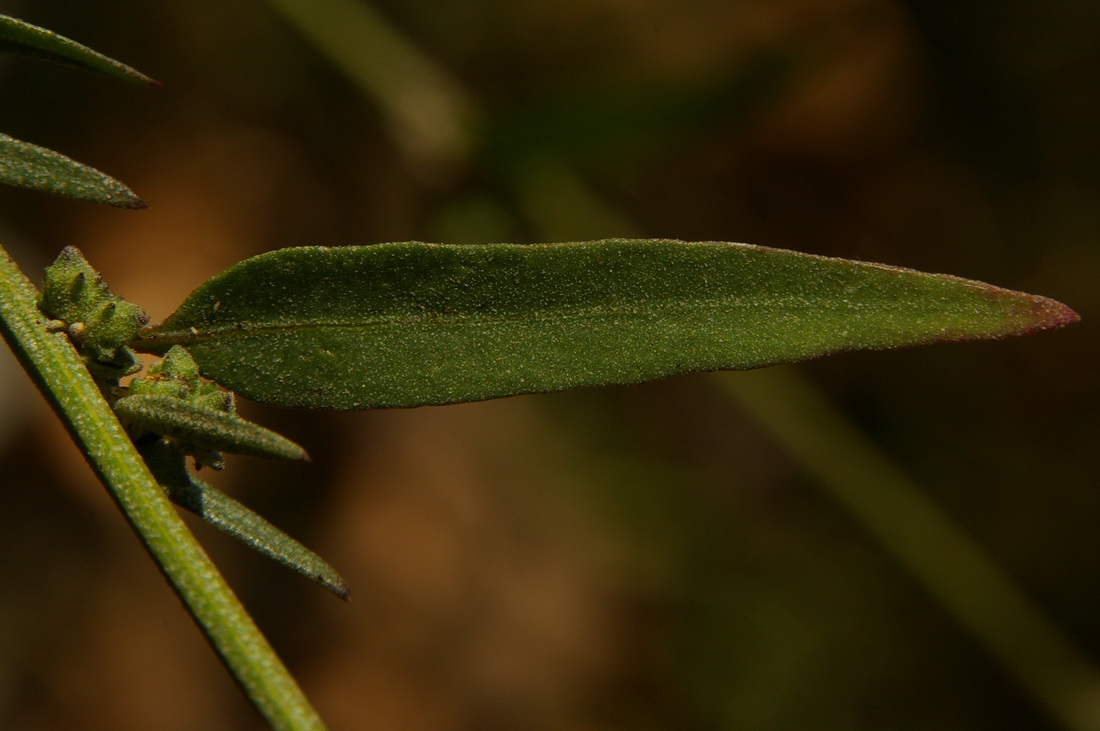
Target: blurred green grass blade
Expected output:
[25,39]
[223,512]
[429,111]
[29,166]
[410,324]
[951,565]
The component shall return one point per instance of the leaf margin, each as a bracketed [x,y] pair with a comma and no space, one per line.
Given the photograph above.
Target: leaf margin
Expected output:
[26,165]
[22,38]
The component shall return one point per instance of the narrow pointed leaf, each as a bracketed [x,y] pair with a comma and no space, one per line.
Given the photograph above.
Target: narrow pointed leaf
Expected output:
[412,324]
[207,428]
[29,166]
[17,36]
[230,516]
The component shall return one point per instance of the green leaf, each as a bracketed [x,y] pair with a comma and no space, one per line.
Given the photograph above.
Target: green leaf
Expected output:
[412,324]
[29,166]
[223,512]
[176,376]
[17,36]
[195,426]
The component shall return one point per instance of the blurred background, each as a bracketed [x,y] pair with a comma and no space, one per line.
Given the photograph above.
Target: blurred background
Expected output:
[704,552]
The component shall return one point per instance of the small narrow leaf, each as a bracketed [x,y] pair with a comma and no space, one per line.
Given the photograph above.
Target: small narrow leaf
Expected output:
[29,166]
[413,324]
[230,516]
[17,36]
[195,426]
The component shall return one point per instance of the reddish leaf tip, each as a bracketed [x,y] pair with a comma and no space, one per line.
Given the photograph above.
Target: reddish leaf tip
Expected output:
[1033,313]
[1051,314]
[130,202]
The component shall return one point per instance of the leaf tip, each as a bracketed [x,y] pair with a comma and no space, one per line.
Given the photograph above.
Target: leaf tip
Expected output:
[1049,314]
[128,201]
[329,579]
[132,75]
[1025,314]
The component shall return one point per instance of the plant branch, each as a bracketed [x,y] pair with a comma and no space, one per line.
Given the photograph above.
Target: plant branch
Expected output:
[56,368]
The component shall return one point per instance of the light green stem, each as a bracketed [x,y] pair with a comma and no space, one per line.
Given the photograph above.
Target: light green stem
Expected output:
[61,376]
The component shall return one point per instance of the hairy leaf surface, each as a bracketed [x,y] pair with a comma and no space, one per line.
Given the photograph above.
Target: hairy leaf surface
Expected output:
[223,512]
[207,428]
[29,166]
[410,324]
[17,36]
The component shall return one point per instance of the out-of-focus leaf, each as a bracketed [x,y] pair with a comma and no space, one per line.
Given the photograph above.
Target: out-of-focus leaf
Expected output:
[30,166]
[624,123]
[17,36]
[411,324]
[223,512]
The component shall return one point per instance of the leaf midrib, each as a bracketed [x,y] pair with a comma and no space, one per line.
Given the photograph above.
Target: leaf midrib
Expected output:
[168,337]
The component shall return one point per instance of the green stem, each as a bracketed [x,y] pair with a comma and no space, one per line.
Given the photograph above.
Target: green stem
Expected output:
[61,376]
